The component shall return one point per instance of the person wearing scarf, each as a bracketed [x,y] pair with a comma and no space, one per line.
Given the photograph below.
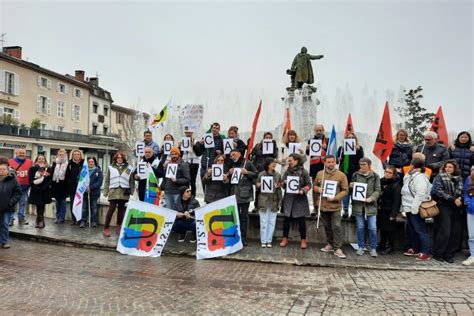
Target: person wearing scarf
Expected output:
[402,152]
[59,186]
[469,202]
[295,206]
[289,137]
[73,171]
[447,190]
[93,190]
[118,186]
[39,176]
[182,178]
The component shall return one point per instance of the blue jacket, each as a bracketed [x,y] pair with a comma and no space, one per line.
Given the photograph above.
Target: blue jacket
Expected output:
[96,177]
[401,155]
[468,198]
[464,157]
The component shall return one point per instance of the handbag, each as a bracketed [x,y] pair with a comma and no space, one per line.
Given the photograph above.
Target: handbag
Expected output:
[428,209]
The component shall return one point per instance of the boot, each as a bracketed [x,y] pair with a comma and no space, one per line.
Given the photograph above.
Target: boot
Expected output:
[106,232]
[118,229]
[37,222]
[41,222]
[284,242]
[304,244]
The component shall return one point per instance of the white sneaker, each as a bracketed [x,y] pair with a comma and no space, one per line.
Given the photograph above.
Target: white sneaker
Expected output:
[469,261]
[264,245]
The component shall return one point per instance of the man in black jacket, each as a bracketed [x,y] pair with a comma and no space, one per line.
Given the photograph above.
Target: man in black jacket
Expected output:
[185,220]
[435,153]
[151,159]
[10,194]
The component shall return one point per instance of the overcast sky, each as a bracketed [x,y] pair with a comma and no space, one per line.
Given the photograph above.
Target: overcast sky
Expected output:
[234,52]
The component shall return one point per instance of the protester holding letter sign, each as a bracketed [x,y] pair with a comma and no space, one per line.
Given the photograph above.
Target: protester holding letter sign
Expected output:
[349,164]
[331,192]
[168,141]
[237,143]
[295,206]
[290,137]
[177,176]
[208,155]
[191,159]
[269,203]
[317,163]
[150,159]
[40,175]
[366,210]
[118,186]
[216,190]
[243,190]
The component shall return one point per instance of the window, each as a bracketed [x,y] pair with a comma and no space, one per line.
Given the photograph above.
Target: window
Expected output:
[61,129]
[76,112]
[106,130]
[43,105]
[7,112]
[120,118]
[94,129]
[61,109]
[76,131]
[106,111]
[77,93]
[107,95]
[44,82]
[95,107]
[44,126]
[61,88]
[9,82]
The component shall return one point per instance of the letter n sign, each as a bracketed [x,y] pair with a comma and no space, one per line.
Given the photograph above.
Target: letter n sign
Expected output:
[266,184]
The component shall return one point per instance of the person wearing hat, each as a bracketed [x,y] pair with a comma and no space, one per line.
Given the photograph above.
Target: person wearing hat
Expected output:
[243,190]
[172,183]
[185,221]
[191,159]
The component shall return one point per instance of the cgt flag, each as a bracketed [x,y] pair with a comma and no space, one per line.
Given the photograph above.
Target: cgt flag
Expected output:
[384,143]
[254,130]
[145,229]
[218,229]
[81,188]
[439,127]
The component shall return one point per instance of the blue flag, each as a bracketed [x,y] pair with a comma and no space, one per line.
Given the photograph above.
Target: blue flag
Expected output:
[332,147]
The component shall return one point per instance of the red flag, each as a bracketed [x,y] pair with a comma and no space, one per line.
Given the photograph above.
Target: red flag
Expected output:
[439,127]
[349,126]
[254,130]
[287,126]
[384,142]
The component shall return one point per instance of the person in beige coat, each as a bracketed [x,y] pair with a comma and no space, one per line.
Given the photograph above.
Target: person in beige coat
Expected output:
[330,207]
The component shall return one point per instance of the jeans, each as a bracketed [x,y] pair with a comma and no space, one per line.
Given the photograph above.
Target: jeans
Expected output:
[21,205]
[171,200]
[60,210]
[267,225]
[345,202]
[470,229]
[93,209]
[4,222]
[372,227]
[419,232]
[182,226]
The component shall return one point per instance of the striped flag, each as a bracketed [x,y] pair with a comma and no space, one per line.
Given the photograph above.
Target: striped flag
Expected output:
[332,147]
[81,188]
[161,118]
[152,189]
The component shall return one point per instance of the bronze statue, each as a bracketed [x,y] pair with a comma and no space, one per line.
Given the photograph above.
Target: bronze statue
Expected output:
[301,70]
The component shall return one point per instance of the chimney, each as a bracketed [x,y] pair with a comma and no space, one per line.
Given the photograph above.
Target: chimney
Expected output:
[13,51]
[94,81]
[80,74]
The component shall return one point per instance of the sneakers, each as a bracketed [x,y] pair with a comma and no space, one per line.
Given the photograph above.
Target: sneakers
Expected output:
[360,252]
[304,244]
[6,246]
[373,253]
[106,232]
[94,225]
[411,253]
[23,221]
[192,238]
[11,222]
[284,242]
[469,261]
[82,225]
[182,237]
[338,253]
[269,245]
[327,248]
[423,257]
[264,246]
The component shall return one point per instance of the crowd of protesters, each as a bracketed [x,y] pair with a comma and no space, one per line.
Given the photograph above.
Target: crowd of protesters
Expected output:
[412,175]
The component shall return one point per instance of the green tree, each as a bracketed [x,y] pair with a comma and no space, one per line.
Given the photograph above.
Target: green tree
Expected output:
[416,119]
[35,123]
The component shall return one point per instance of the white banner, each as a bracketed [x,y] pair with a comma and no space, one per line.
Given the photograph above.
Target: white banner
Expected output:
[145,229]
[218,229]
[81,188]
[192,117]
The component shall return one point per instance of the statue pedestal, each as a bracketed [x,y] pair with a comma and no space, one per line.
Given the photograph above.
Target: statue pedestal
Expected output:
[303,110]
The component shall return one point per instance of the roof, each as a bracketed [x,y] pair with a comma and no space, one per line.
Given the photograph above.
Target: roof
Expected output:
[123,109]
[42,70]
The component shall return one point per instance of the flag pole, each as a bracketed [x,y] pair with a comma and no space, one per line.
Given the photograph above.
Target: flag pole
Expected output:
[89,207]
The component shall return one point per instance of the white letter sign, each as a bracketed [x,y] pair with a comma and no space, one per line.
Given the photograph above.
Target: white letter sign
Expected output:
[139,149]
[329,188]
[267,185]
[267,146]
[315,147]
[142,169]
[228,145]
[292,184]
[359,191]
[349,146]
[236,176]
[186,144]
[167,145]
[209,141]
[294,148]
[171,170]
[217,172]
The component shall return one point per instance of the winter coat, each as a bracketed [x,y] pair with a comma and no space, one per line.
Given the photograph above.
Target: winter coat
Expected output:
[270,199]
[243,191]
[401,155]
[416,189]
[240,145]
[373,192]
[464,157]
[119,193]
[342,190]
[182,206]
[316,164]
[447,188]
[468,197]
[73,171]
[284,154]
[154,163]
[296,205]
[183,178]
[353,162]
[59,190]
[208,155]
[435,156]
[215,190]
[258,158]
[389,203]
[40,193]
[96,178]
[10,193]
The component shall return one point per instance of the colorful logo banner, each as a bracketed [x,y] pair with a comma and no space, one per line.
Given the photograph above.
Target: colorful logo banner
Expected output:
[82,185]
[218,229]
[145,229]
